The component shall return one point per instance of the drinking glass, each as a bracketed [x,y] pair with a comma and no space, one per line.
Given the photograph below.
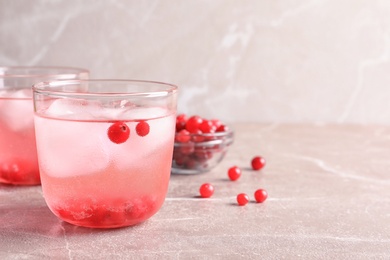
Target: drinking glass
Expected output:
[18,156]
[105,149]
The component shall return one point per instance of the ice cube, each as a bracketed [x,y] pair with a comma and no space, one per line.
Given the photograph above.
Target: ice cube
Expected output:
[108,113]
[4,93]
[22,93]
[68,149]
[73,109]
[17,110]
[16,93]
[142,113]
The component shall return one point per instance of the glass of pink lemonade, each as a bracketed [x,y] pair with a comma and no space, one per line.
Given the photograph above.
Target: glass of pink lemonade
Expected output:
[18,156]
[105,149]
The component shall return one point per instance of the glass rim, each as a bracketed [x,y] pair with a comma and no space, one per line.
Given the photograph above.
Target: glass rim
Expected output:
[47,71]
[44,88]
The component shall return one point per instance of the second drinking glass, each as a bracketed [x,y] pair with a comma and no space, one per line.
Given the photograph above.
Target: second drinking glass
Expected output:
[18,156]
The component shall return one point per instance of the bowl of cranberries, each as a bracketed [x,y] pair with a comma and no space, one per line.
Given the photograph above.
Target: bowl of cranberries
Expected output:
[200,144]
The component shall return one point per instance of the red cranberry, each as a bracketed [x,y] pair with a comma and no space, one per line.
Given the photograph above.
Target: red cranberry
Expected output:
[118,132]
[216,123]
[197,136]
[179,158]
[190,163]
[222,128]
[142,128]
[193,124]
[206,190]
[203,153]
[234,173]
[261,195]
[183,136]
[258,163]
[187,148]
[181,121]
[206,127]
[242,199]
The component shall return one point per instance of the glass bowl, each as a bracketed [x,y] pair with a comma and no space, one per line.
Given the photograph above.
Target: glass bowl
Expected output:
[198,153]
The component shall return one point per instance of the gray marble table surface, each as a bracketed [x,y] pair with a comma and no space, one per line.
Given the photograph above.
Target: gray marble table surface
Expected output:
[329,198]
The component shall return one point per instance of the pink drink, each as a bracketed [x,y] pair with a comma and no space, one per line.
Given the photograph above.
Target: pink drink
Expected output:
[88,179]
[18,156]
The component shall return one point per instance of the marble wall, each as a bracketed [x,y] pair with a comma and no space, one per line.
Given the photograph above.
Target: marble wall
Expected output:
[238,60]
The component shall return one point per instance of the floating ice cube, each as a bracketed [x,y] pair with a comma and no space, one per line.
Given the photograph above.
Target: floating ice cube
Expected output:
[4,93]
[73,109]
[22,93]
[16,93]
[17,110]
[100,110]
[108,113]
[142,113]
[71,148]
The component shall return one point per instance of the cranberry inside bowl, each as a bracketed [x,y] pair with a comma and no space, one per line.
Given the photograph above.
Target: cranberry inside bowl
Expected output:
[200,144]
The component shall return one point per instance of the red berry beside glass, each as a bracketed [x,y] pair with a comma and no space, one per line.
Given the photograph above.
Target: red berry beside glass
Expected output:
[234,173]
[242,199]
[261,195]
[206,190]
[258,163]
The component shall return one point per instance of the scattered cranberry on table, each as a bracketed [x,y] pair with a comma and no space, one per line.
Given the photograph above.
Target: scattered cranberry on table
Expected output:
[242,199]
[234,173]
[261,195]
[258,163]
[190,131]
[206,190]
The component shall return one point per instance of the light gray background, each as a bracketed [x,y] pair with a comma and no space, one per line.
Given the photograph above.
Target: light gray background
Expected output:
[259,61]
